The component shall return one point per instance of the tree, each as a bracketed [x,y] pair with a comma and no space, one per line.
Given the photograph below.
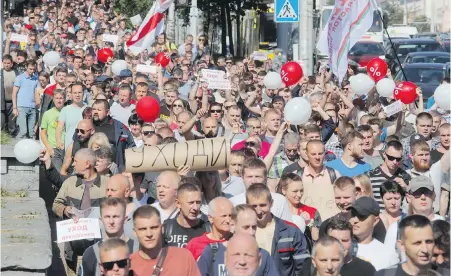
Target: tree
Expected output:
[422,27]
[395,11]
[134,7]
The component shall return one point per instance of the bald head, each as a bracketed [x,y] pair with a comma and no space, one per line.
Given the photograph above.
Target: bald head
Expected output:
[242,256]
[210,127]
[314,144]
[165,132]
[118,186]
[85,124]
[167,185]
[219,204]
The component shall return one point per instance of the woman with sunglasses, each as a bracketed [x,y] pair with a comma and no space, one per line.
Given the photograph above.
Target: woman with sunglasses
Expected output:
[392,196]
[202,46]
[177,107]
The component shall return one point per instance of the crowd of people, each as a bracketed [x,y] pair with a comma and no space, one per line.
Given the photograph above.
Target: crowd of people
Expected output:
[350,192]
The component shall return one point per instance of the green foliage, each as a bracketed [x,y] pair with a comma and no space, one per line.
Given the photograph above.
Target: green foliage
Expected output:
[4,138]
[395,11]
[422,27]
[330,2]
[133,7]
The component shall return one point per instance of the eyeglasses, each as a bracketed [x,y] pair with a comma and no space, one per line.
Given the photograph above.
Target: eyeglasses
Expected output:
[148,132]
[177,105]
[422,191]
[250,144]
[360,217]
[391,158]
[201,39]
[228,62]
[110,265]
[291,150]
[215,111]
[82,131]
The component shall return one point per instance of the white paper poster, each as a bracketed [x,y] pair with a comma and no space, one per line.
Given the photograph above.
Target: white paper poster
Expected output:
[216,79]
[143,68]
[85,228]
[262,56]
[393,108]
[136,20]
[110,38]
[19,37]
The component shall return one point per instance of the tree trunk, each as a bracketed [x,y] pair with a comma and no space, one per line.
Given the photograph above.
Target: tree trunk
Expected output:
[238,29]
[223,29]
[230,30]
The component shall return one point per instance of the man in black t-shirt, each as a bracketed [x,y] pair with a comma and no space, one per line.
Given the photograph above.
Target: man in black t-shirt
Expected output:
[416,240]
[444,133]
[187,225]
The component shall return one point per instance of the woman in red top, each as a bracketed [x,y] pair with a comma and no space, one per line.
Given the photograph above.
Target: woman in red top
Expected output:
[290,185]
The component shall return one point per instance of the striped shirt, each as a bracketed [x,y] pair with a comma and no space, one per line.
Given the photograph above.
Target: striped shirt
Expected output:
[378,176]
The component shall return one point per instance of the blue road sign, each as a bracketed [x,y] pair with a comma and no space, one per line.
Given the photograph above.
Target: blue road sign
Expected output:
[286,11]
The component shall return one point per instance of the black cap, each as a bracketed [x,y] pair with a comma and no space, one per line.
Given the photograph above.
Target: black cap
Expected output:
[416,138]
[366,206]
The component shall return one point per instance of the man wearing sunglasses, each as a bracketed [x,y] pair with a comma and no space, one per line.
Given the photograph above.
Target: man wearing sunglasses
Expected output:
[114,258]
[112,216]
[389,170]
[420,196]
[364,218]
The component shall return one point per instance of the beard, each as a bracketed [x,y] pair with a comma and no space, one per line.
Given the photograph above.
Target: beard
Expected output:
[210,134]
[356,155]
[421,166]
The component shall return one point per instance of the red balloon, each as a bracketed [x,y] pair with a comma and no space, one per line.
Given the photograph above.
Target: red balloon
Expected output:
[377,69]
[163,59]
[406,92]
[103,54]
[148,109]
[291,73]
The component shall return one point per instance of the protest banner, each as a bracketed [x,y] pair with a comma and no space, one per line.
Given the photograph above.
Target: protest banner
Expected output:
[200,155]
[261,56]
[393,108]
[136,20]
[85,228]
[144,68]
[110,38]
[216,79]
[322,198]
[19,37]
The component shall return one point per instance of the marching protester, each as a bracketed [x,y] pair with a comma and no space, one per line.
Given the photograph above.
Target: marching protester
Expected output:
[182,126]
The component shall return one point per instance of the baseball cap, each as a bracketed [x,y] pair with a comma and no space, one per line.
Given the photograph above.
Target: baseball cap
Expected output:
[366,206]
[125,73]
[420,182]
[103,78]
[416,138]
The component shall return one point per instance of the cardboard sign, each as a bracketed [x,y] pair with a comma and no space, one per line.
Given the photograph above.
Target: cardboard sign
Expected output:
[136,20]
[393,108]
[220,84]
[200,155]
[143,68]
[85,228]
[110,38]
[321,196]
[262,56]
[19,38]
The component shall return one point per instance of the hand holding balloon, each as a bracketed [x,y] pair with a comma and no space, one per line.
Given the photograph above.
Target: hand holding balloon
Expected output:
[27,151]
[406,92]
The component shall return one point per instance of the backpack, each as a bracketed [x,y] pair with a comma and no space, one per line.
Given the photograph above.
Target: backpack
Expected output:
[332,174]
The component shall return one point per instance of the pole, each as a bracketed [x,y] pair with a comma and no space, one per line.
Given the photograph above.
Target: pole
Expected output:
[405,13]
[193,19]
[393,47]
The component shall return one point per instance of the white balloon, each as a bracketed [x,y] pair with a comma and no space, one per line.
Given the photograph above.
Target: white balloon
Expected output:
[27,150]
[385,87]
[299,221]
[118,66]
[297,111]
[442,96]
[361,84]
[272,80]
[51,58]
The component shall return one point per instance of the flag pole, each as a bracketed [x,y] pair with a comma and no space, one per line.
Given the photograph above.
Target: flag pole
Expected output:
[391,43]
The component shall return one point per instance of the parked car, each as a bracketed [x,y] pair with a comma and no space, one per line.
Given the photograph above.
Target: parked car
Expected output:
[364,51]
[426,35]
[427,57]
[446,45]
[425,75]
[406,46]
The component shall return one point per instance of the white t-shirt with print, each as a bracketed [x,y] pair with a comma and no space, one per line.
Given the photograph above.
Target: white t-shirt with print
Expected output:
[378,254]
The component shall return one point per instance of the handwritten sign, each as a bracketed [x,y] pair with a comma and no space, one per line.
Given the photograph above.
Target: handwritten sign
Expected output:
[85,228]
[262,56]
[321,196]
[393,108]
[200,155]
[143,68]
[110,38]
[19,37]
[216,79]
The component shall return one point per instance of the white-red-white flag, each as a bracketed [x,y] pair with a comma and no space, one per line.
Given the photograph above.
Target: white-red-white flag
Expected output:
[151,26]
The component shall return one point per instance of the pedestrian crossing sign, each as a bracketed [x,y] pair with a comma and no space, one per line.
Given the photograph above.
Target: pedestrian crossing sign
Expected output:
[287,11]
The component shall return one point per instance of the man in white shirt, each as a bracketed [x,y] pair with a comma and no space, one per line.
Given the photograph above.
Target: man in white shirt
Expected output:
[420,197]
[254,171]
[122,110]
[167,185]
[364,217]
